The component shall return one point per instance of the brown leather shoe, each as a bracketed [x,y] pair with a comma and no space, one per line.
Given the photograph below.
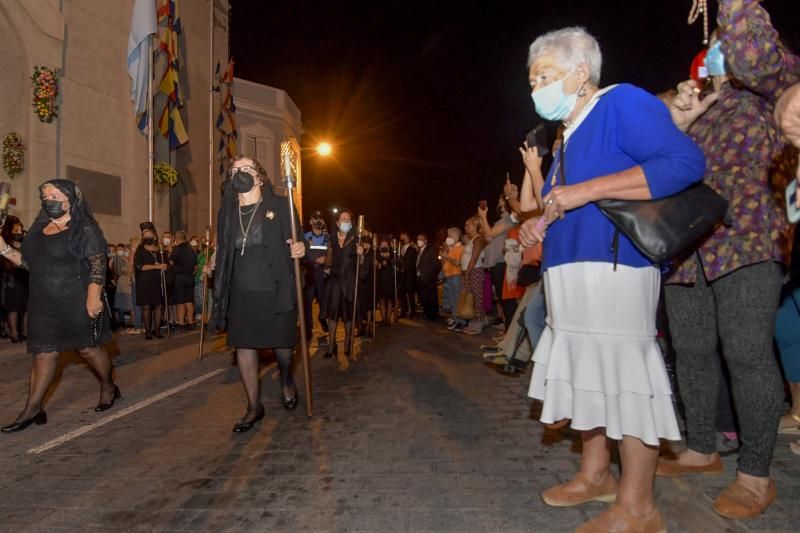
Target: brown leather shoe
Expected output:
[616,520]
[581,490]
[673,468]
[737,501]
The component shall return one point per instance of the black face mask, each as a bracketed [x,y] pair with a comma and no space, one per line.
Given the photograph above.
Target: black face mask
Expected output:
[17,237]
[384,250]
[53,208]
[150,241]
[242,182]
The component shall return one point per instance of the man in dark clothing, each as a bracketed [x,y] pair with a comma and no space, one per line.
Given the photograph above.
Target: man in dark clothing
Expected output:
[407,285]
[314,267]
[428,266]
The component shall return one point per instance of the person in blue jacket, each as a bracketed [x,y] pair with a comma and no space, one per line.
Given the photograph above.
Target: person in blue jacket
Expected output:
[318,241]
[597,363]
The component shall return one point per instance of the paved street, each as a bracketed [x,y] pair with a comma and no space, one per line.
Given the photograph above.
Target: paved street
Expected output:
[417,435]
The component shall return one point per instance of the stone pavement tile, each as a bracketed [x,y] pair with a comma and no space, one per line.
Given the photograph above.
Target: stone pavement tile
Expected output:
[322,520]
[538,520]
[384,521]
[412,466]
[390,482]
[438,482]
[445,520]
[20,517]
[214,521]
[482,481]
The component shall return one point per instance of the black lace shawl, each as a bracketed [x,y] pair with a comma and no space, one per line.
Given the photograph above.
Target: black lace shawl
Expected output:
[85,241]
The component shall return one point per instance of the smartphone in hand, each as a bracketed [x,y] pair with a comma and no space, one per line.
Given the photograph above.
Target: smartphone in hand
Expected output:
[791,202]
[538,137]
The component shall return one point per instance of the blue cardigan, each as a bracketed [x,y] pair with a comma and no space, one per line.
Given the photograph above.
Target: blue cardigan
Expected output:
[627,127]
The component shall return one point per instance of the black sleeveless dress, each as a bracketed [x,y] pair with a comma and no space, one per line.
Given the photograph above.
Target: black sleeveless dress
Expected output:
[253,318]
[58,285]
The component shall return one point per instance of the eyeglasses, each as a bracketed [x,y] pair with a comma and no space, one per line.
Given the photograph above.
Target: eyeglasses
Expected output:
[245,168]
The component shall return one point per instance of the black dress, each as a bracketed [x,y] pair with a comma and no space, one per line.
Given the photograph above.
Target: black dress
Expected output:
[58,285]
[148,282]
[184,261]
[386,279]
[255,318]
[366,286]
[14,286]
[340,289]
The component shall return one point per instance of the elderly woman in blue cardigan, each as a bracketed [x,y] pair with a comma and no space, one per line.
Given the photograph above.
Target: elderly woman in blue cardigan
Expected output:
[597,363]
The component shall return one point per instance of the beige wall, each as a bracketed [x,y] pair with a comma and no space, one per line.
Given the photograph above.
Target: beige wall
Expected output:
[96,128]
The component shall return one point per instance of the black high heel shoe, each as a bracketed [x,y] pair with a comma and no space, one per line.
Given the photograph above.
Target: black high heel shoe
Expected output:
[106,406]
[241,426]
[39,419]
[332,353]
[290,402]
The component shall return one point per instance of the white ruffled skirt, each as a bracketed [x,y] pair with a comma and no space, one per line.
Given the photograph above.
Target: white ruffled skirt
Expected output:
[597,361]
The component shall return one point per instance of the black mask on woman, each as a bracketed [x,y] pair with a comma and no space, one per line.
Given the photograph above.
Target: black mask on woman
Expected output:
[242,182]
[149,241]
[53,208]
[384,250]
[17,237]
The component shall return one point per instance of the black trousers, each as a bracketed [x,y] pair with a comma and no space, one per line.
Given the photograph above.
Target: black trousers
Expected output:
[736,311]
[429,296]
[407,287]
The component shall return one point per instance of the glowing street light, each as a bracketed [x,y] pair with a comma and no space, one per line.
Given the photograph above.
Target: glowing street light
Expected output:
[324,149]
[335,210]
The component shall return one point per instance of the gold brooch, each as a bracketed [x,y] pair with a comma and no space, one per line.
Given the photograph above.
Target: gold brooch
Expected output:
[270,215]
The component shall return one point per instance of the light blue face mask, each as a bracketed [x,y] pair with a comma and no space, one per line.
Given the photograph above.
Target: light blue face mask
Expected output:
[715,60]
[345,226]
[551,102]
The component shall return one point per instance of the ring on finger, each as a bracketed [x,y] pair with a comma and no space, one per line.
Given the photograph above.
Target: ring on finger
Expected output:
[549,202]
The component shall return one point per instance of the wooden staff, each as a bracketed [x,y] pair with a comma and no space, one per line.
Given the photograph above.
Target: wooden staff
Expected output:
[358,270]
[163,288]
[374,282]
[205,294]
[288,174]
[396,253]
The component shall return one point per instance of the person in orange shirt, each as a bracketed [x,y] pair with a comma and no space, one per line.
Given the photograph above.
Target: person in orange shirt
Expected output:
[451,270]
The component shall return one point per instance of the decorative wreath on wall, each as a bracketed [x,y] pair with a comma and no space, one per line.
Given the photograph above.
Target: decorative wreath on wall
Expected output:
[45,93]
[13,154]
[164,174]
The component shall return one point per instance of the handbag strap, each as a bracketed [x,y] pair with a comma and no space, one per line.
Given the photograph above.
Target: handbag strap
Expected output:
[563,179]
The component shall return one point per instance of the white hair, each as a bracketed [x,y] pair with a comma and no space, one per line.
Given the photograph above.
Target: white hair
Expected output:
[570,47]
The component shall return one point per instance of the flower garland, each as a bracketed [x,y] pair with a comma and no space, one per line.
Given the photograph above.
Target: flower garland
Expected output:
[13,154]
[164,174]
[45,92]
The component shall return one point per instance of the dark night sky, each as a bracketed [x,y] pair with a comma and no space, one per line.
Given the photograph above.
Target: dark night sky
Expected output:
[426,102]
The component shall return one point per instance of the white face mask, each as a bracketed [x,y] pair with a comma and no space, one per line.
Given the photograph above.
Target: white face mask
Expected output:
[165,241]
[450,241]
[193,243]
[121,253]
[421,244]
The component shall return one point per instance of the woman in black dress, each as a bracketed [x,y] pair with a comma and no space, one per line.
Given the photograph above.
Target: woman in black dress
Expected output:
[254,287]
[386,281]
[366,286]
[14,283]
[149,265]
[339,292]
[183,261]
[65,252]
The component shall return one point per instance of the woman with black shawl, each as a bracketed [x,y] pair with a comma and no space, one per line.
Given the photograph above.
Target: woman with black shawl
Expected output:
[65,253]
[254,288]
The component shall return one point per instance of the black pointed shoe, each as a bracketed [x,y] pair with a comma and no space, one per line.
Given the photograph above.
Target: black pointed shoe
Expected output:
[106,406]
[39,419]
[241,426]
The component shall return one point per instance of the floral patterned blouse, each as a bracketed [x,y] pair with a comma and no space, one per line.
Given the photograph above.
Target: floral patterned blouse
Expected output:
[747,161]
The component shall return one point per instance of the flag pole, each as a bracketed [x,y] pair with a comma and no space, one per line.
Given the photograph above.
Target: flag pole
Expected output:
[150,147]
[211,114]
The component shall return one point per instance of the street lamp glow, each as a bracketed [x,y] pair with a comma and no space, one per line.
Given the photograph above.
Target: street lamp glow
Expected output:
[335,210]
[324,149]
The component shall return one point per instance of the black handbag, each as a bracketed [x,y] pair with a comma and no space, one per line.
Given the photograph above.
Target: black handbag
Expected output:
[664,228]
